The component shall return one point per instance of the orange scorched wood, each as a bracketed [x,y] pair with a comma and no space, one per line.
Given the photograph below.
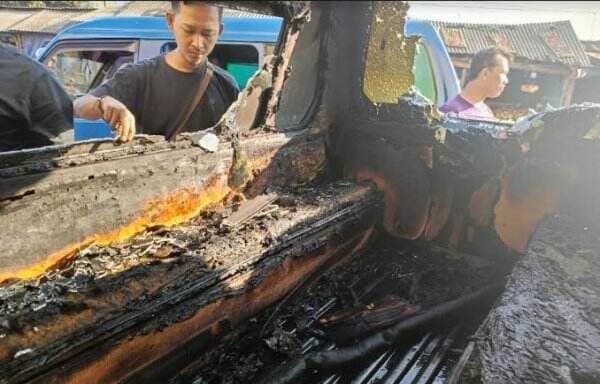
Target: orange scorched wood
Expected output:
[141,351]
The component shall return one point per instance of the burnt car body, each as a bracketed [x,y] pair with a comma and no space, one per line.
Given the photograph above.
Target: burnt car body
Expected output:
[129,263]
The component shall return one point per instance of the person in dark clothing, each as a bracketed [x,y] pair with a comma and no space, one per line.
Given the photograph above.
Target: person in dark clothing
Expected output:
[151,96]
[35,110]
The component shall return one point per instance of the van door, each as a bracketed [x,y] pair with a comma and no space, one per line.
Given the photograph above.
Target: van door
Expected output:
[425,80]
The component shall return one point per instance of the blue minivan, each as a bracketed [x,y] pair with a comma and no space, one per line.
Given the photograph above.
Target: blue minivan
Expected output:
[86,54]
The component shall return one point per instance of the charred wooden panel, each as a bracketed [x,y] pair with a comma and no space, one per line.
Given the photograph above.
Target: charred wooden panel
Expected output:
[145,298]
[471,188]
[142,186]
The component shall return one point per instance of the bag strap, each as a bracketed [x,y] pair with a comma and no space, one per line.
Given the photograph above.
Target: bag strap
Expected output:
[203,86]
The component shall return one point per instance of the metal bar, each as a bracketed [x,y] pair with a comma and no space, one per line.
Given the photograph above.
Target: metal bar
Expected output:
[416,369]
[409,359]
[460,365]
[373,368]
[437,359]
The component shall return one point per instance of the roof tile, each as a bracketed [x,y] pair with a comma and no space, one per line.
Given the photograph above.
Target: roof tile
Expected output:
[554,42]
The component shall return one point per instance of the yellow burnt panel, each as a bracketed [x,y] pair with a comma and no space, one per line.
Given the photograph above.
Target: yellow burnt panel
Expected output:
[175,208]
[390,55]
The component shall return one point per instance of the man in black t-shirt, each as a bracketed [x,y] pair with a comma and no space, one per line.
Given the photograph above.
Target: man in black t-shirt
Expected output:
[152,96]
[35,111]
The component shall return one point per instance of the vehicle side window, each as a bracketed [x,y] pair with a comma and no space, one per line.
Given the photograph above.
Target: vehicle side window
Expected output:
[74,70]
[423,73]
[240,60]
[121,61]
[79,71]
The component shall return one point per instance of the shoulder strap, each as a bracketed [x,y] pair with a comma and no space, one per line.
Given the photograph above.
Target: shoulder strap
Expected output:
[202,87]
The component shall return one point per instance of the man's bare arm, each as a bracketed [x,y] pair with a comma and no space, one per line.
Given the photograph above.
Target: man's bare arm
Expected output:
[110,110]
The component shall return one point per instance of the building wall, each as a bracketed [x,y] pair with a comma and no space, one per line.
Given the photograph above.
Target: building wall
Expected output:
[584,15]
[30,42]
[8,38]
[588,88]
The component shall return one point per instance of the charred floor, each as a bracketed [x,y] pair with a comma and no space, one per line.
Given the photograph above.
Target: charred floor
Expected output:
[161,289]
[341,313]
[58,327]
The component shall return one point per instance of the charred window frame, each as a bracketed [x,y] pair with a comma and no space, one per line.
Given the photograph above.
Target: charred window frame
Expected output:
[291,13]
[301,94]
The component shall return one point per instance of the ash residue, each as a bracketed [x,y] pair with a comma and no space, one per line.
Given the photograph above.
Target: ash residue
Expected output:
[422,277]
[96,270]
[198,247]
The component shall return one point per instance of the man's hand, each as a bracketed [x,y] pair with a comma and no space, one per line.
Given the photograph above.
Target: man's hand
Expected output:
[118,116]
[110,110]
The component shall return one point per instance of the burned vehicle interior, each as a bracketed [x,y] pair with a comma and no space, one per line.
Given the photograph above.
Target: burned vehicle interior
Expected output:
[340,230]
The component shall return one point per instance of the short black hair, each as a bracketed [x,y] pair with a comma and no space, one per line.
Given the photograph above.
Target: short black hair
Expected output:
[176,4]
[486,58]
